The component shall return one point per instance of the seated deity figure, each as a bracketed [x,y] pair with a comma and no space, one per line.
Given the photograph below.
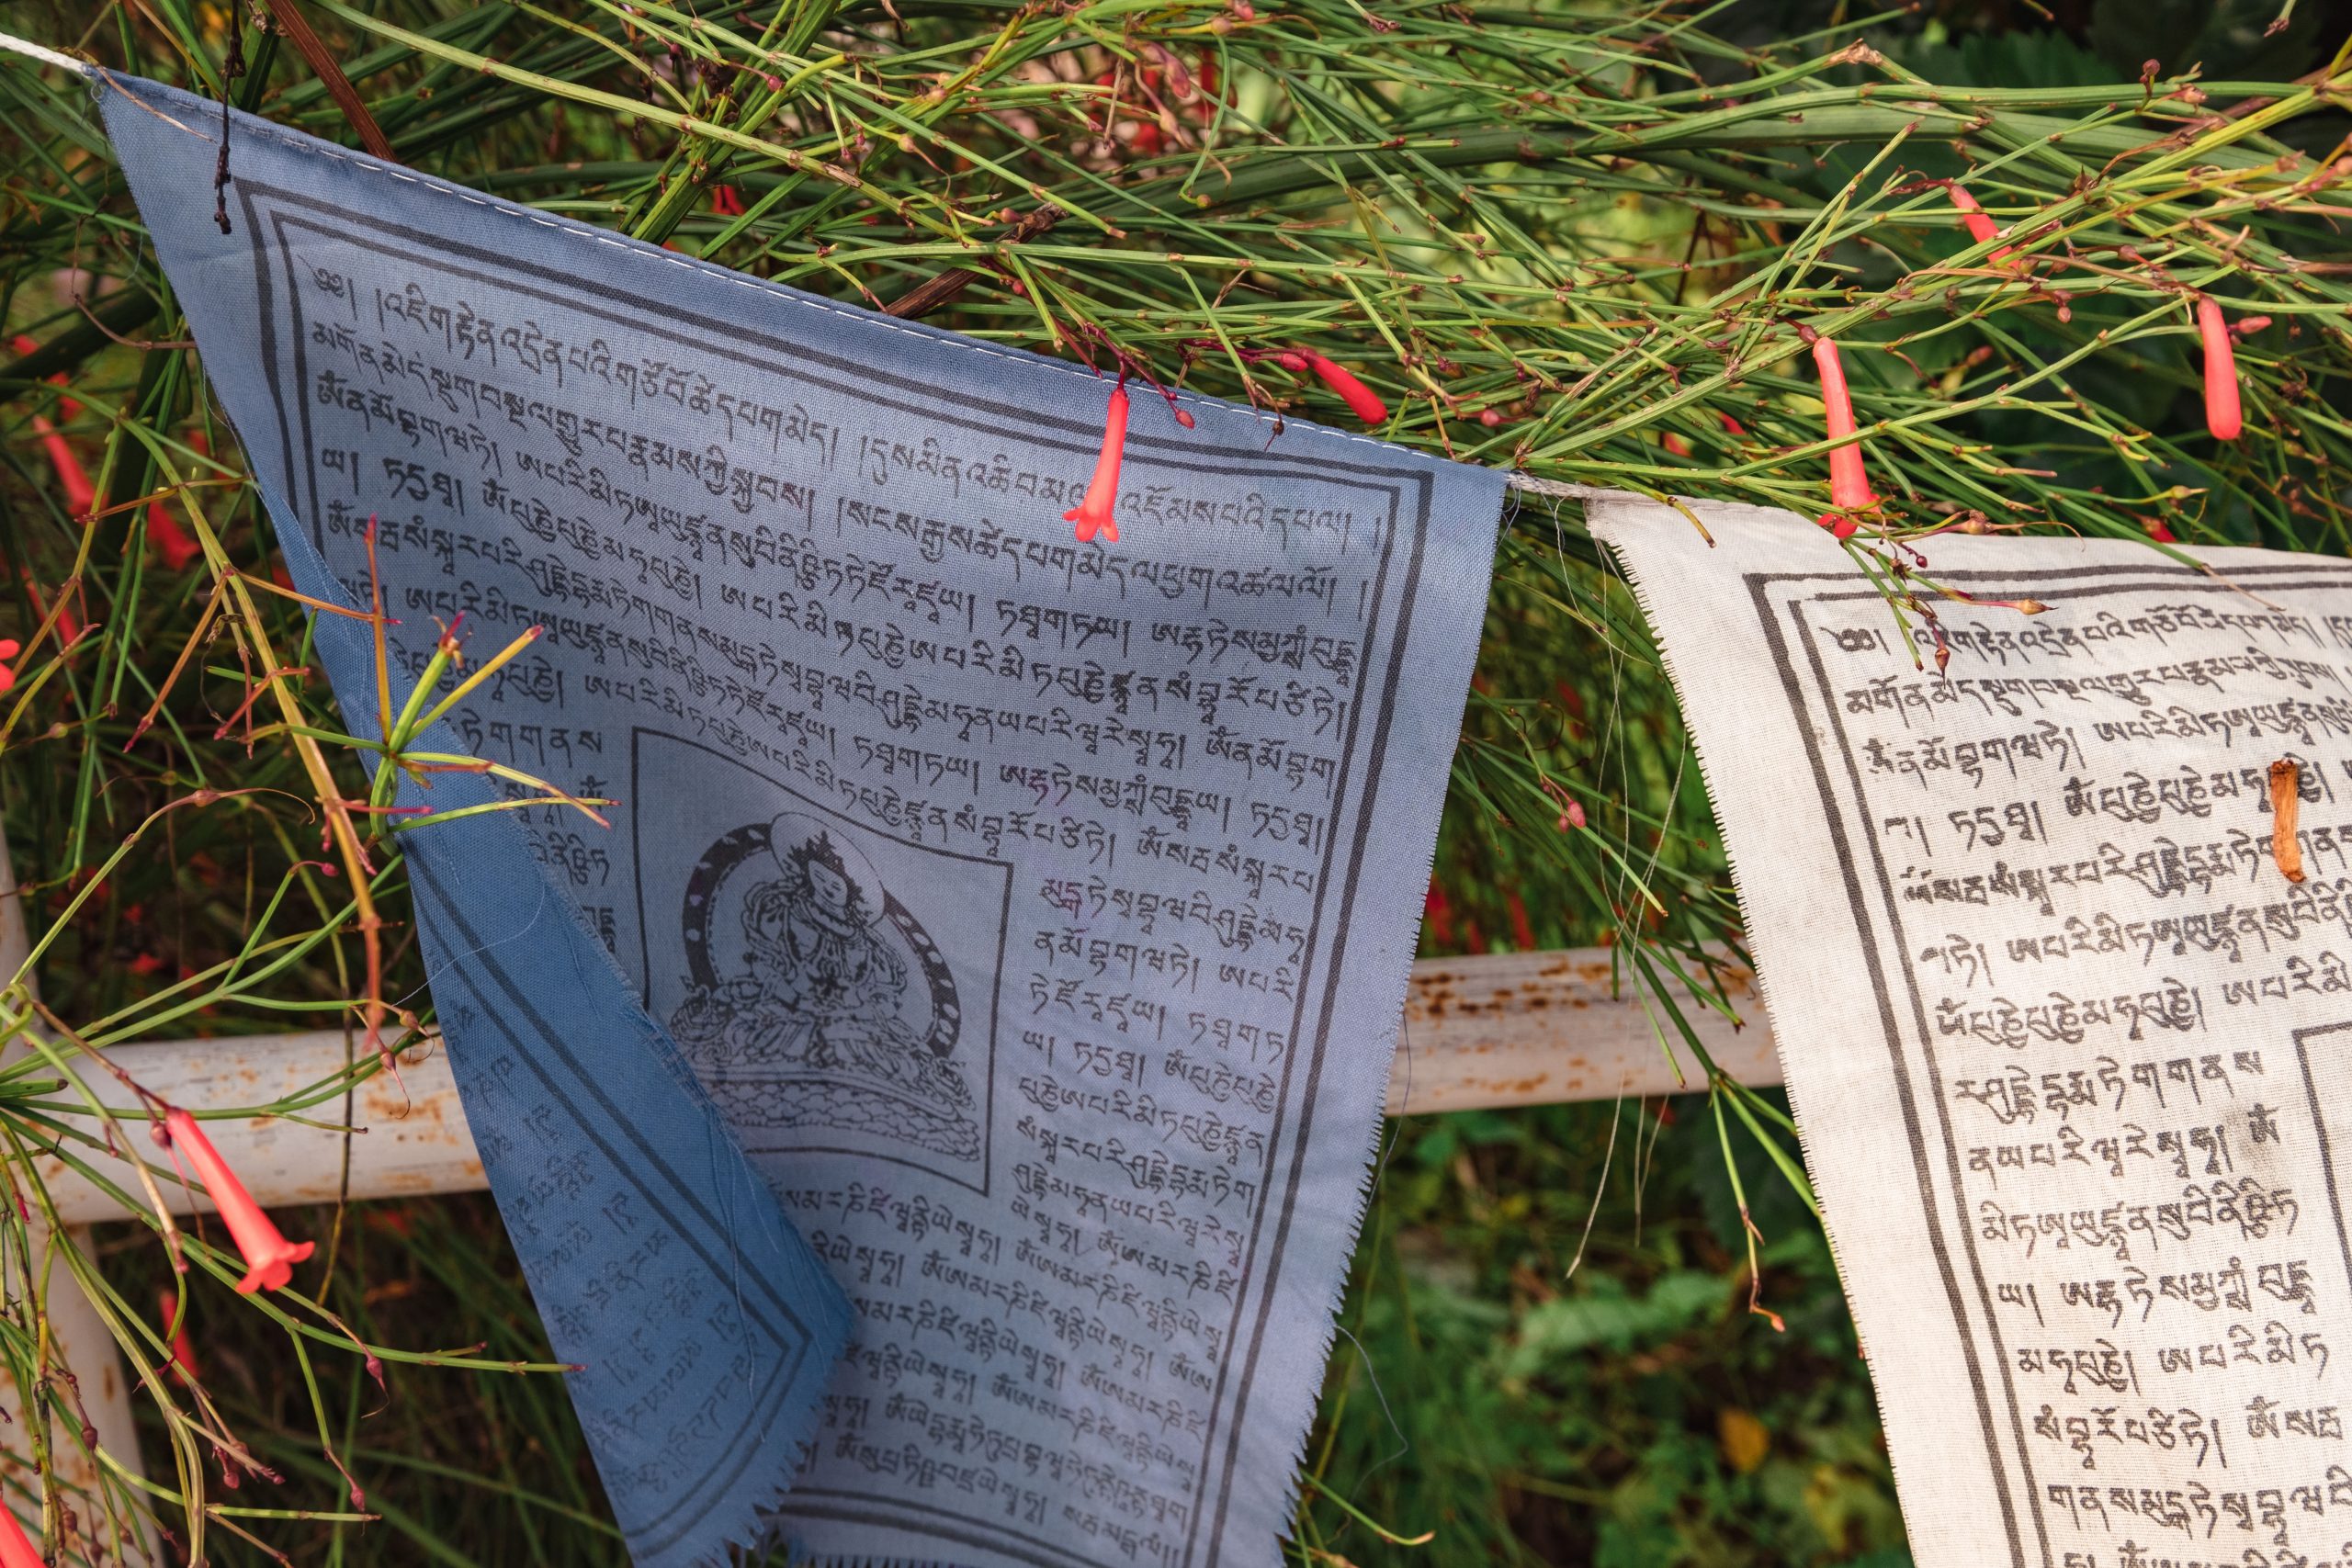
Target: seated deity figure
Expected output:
[824,995]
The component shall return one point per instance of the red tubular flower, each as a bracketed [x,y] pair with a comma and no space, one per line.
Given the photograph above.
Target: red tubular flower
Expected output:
[1849,487]
[1093,514]
[17,1549]
[1980,228]
[81,496]
[2222,415]
[269,1256]
[69,625]
[9,649]
[171,541]
[726,201]
[1361,399]
[183,1353]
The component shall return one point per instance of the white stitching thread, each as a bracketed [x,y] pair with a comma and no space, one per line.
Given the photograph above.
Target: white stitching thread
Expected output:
[776,290]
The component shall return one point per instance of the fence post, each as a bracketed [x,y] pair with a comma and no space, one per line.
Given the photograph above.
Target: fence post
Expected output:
[83,1340]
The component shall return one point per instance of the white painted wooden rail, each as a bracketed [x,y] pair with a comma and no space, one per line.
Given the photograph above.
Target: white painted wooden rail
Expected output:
[1511,1029]
[1519,1029]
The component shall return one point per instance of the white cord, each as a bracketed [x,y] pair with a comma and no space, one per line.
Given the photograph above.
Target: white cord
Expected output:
[1560,488]
[47,56]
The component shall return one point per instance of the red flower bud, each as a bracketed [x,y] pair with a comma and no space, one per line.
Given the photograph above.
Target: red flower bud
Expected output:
[69,625]
[9,649]
[171,541]
[269,1256]
[1093,514]
[2222,416]
[1572,816]
[1354,393]
[1980,227]
[183,1353]
[1849,487]
[81,496]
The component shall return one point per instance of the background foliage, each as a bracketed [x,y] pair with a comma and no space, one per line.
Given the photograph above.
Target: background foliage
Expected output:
[1575,238]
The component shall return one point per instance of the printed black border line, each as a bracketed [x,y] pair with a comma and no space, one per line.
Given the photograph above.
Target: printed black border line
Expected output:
[638,735]
[1373,625]
[1939,1245]
[2326,1147]
[1085,436]
[786,359]
[793,1508]
[761,1412]
[477,950]
[2033,1491]
[796,1351]
[1399,632]
[270,361]
[1046,1554]
[1421,478]
[1768,610]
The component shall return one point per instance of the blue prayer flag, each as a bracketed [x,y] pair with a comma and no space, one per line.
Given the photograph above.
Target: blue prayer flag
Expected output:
[951,1080]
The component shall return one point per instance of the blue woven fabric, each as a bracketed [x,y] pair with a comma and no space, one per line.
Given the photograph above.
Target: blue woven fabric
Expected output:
[1037,914]
[661,1261]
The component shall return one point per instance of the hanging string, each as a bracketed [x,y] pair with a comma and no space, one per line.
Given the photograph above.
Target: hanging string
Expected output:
[231,70]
